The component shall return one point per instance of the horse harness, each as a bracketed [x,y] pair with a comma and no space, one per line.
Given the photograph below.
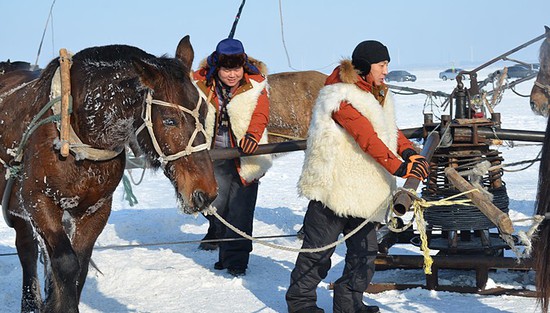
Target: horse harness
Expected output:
[545,88]
[199,127]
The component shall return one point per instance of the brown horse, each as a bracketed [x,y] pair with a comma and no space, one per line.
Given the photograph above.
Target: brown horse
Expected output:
[291,98]
[539,103]
[541,90]
[8,66]
[121,96]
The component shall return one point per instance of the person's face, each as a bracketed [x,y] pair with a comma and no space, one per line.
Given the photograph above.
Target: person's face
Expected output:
[378,72]
[231,76]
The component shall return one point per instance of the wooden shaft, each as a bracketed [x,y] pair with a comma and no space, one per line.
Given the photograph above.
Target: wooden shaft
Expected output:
[402,200]
[494,214]
[65,64]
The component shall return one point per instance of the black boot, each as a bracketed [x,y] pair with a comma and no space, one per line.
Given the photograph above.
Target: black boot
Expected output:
[208,246]
[210,236]
[311,309]
[369,309]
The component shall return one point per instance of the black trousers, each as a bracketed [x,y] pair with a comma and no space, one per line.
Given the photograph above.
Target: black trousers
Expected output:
[235,203]
[322,227]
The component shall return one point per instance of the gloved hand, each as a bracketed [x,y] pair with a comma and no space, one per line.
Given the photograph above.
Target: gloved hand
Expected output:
[416,167]
[248,144]
[408,153]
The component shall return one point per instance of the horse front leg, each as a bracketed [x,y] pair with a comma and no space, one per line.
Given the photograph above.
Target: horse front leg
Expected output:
[27,250]
[61,290]
[87,229]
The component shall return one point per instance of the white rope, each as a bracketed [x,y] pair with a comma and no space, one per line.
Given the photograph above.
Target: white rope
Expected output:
[524,238]
[212,211]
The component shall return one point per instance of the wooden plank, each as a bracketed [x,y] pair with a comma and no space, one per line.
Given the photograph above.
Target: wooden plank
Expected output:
[494,214]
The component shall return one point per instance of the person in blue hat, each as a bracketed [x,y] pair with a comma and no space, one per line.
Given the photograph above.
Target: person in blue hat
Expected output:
[236,89]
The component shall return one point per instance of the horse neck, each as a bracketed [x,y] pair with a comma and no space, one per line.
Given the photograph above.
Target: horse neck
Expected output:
[106,118]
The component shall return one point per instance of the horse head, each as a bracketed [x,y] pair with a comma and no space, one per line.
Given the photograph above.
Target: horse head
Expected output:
[540,93]
[174,116]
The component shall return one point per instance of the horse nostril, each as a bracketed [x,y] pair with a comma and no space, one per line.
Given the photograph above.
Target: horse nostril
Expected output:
[200,200]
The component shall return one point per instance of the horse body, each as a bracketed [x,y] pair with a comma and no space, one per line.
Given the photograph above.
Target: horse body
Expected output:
[292,95]
[66,201]
[539,104]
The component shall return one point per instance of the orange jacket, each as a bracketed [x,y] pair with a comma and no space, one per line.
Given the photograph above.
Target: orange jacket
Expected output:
[260,116]
[361,129]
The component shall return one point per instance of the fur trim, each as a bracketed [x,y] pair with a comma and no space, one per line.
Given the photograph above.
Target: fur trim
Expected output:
[240,110]
[336,171]
[257,63]
[348,74]
[210,119]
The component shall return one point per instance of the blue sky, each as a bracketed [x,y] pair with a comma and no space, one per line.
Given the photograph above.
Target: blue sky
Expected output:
[317,33]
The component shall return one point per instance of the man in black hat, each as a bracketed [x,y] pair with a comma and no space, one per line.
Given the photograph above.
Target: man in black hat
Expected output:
[239,112]
[351,159]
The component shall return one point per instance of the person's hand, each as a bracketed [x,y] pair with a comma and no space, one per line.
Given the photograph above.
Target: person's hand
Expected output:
[248,144]
[416,167]
[408,153]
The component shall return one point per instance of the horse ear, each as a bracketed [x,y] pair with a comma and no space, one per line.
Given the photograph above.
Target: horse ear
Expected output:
[547,30]
[185,52]
[148,74]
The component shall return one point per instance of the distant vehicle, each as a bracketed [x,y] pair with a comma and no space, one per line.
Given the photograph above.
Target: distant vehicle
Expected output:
[520,70]
[449,73]
[400,76]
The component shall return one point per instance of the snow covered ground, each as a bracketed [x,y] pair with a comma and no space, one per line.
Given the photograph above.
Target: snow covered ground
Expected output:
[181,278]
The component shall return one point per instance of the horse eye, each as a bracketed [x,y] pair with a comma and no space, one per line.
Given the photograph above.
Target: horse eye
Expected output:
[169,122]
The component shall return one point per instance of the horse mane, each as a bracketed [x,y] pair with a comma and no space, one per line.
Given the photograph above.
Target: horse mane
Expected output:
[111,54]
[544,56]
[122,55]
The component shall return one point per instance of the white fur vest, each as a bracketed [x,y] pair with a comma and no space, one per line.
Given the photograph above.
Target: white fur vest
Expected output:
[336,171]
[240,110]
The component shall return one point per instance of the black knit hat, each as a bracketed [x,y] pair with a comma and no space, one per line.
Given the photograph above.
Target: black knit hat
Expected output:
[368,52]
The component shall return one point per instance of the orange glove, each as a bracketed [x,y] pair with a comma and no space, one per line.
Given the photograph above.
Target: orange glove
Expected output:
[248,144]
[416,167]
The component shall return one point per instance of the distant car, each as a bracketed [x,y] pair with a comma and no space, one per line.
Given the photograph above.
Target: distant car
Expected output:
[449,73]
[520,71]
[400,76]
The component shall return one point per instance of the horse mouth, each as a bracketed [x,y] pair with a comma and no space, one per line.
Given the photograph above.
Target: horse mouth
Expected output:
[198,202]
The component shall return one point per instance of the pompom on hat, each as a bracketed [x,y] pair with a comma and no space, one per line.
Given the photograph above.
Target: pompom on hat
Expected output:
[229,53]
[368,52]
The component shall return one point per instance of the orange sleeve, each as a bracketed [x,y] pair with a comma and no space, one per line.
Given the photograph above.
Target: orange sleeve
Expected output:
[403,143]
[260,116]
[361,129]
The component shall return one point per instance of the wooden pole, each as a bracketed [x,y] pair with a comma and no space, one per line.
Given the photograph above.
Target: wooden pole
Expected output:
[494,214]
[402,200]
[65,64]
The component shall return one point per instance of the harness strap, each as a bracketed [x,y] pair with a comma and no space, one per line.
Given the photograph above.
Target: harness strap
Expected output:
[199,127]
[546,88]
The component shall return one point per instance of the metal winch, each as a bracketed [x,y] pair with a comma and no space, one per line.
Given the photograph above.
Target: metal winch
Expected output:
[458,228]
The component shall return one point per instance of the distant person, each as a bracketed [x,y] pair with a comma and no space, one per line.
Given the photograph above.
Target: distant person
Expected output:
[352,154]
[236,86]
